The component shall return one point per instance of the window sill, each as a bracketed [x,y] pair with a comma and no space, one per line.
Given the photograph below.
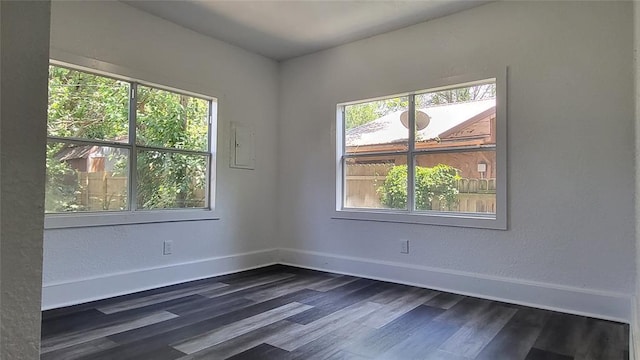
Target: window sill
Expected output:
[437,218]
[80,220]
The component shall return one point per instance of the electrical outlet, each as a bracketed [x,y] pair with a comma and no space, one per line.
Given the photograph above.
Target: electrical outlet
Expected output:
[168,247]
[404,246]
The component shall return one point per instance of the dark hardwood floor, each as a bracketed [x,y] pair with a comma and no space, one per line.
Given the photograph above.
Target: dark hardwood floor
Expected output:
[288,313]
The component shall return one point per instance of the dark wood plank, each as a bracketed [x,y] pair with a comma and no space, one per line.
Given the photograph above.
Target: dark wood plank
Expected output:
[330,323]
[537,354]
[333,283]
[445,300]
[337,303]
[464,311]
[79,350]
[238,328]
[423,341]
[72,321]
[136,347]
[262,352]
[381,340]
[473,336]
[345,355]
[517,337]
[602,340]
[205,312]
[293,314]
[327,345]
[327,297]
[243,342]
[562,334]
[398,307]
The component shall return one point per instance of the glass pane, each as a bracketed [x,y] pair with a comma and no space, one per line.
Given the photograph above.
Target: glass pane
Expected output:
[87,106]
[458,117]
[456,181]
[86,178]
[171,180]
[171,120]
[376,182]
[378,126]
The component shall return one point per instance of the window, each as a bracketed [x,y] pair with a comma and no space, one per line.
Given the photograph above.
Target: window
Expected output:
[123,146]
[433,157]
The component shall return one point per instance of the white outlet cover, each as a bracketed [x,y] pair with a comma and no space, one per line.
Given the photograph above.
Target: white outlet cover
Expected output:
[404,246]
[167,248]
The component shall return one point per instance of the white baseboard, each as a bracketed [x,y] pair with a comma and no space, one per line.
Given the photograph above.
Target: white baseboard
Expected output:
[593,303]
[89,289]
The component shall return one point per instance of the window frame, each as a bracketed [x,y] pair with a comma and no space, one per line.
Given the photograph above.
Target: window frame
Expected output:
[133,215]
[430,217]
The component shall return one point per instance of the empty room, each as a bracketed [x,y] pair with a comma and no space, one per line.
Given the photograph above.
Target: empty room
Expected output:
[450,180]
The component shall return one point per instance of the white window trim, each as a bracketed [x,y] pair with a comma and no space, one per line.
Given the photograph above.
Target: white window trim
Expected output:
[130,217]
[498,222]
[125,217]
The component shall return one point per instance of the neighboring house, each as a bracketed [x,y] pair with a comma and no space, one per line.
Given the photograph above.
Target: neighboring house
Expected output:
[86,158]
[461,135]
[99,186]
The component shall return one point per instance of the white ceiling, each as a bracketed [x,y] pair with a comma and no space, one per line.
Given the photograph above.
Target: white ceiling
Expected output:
[285,29]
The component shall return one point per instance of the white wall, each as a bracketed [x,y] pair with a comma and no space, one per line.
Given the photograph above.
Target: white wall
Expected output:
[24,49]
[635,329]
[570,242]
[87,263]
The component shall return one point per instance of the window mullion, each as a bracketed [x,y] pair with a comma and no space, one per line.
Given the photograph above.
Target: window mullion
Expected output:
[343,152]
[133,158]
[209,158]
[410,157]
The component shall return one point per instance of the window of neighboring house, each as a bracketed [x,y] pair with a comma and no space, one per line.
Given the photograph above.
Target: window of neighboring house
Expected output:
[122,146]
[434,157]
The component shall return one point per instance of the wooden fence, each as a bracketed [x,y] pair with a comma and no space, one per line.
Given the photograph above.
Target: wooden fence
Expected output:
[364,180]
[102,191]
[98,191]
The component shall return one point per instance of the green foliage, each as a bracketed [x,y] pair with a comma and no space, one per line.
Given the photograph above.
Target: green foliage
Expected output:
[431,183]
[393,192]
[436,183]
[60,195]
[87,106]
[167,119]
[93,107]
[360,114]
[170,120]
[171,180]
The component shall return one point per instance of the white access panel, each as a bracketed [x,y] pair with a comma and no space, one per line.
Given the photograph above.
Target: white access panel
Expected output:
[242,146]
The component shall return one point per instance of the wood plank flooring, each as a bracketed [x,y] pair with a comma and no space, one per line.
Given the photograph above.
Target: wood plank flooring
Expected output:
[288,313]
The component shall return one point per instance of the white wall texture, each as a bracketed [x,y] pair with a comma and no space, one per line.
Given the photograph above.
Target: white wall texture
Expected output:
[127,258]
[24,53]
[570,152]
[635,320]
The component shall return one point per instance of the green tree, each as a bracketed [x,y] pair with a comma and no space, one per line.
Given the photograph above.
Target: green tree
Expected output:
[83,106]
[92,107]
[431,183]
[393,192]
[360,114]
[169,120]
[60,193]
